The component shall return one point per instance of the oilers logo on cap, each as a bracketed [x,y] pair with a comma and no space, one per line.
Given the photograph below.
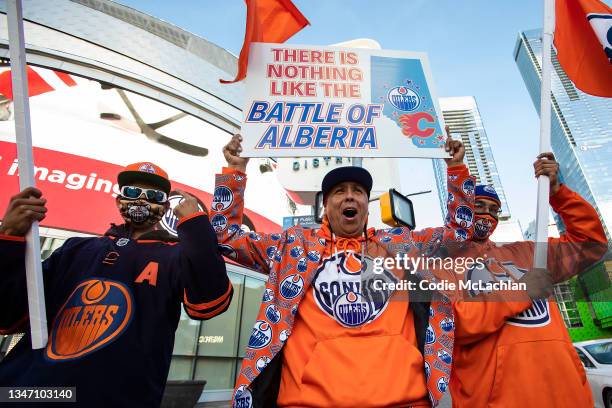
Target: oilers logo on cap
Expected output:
[262,362]
[234,228]
[147,167]
[273,314]
[296,252]
[447,324]
[489,189]
[430,335]
[444,356]
[351,310]
[313,256]
[290,239]
[243,398]
[261,335]
[275,237]
[464,216]
[442,384]
[268,295]
[219,222]
[291,286]
[468,187]
[404,98]
[461,235]
[222,199]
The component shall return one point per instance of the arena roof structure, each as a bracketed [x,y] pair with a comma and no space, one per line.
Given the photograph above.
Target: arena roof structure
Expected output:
[126,48]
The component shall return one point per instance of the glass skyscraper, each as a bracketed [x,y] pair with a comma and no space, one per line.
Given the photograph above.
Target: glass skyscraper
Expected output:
[581,128]
[461,115]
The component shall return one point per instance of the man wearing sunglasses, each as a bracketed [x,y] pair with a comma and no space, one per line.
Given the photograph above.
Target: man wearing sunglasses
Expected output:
[113,302]
[513,350]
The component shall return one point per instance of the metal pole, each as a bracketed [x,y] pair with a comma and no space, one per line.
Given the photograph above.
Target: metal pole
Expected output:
[23,132]
[541,247]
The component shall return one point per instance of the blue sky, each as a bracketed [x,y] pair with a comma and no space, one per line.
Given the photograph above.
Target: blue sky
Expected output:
[469,43]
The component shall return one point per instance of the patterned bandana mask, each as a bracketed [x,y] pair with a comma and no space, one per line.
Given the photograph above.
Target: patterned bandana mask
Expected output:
[141,213]
[484,226]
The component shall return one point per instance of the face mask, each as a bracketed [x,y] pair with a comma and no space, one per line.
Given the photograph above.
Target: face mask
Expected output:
[484,226]
[141,213]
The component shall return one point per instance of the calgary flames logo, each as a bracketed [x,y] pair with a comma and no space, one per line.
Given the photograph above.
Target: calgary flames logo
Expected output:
[95,314]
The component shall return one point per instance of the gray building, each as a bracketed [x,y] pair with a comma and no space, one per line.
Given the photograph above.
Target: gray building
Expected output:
[581,128]
[463,118]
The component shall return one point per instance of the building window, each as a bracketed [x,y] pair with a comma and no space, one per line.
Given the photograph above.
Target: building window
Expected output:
[567,305]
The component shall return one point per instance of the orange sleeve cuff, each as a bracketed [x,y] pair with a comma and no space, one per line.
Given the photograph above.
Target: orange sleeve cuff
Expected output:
[227,170]
[194,215]
[563,194]
[12,238]
[457,168]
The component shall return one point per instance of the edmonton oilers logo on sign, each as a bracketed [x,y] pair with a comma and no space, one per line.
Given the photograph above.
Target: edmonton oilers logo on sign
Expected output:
[169,220]
[222,198]
[291,286]
[351,310]
[261,335]
[403,98]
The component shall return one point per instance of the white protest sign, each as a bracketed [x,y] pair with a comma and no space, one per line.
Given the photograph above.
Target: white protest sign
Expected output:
[327,101]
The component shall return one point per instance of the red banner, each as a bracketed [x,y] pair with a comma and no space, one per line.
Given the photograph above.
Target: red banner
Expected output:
[81,192]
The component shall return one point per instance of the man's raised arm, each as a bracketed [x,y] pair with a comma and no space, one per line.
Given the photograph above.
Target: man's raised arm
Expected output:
[254,250]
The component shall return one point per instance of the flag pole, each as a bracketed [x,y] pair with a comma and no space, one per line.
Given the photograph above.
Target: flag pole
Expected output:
[541,247]
[23,132]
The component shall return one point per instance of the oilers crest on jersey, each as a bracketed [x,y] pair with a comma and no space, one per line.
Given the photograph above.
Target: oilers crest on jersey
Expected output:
[497,271]
[346,294]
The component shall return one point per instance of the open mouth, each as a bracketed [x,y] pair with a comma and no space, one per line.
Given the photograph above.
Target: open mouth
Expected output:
[349,213]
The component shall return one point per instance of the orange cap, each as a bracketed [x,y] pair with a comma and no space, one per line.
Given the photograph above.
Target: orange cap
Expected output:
[144,171]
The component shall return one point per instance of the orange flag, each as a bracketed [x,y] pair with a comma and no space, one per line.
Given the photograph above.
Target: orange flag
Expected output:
[583,37]
[271,21]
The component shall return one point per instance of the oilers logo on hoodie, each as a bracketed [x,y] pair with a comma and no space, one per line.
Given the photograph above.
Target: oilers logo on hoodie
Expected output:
[346,294]
[536,316]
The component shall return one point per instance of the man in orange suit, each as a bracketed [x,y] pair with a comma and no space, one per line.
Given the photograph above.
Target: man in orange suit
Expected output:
[517,353]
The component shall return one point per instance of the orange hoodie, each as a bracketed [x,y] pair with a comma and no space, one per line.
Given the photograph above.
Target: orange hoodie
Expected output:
[388,360]
[519,354]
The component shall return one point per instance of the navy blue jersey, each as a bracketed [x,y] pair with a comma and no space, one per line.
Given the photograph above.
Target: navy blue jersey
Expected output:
[113,305]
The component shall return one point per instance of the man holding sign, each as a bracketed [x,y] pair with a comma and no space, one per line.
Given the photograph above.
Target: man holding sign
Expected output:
[324,335]
[114,302]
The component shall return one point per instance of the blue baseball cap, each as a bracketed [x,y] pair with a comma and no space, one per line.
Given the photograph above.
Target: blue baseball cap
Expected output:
[339,175]
[487,191]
